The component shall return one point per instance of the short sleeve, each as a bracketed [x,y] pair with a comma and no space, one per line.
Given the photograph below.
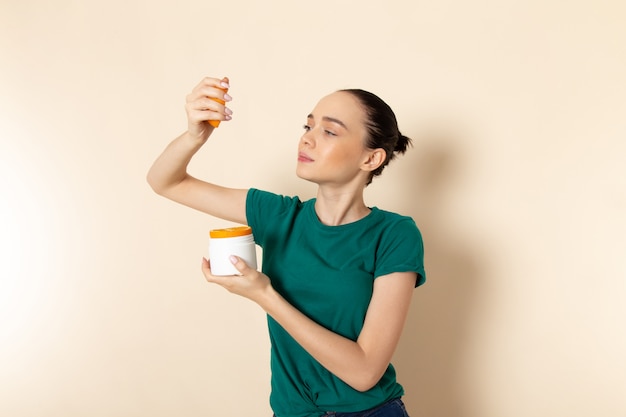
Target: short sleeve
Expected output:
[266,213]
[401,249]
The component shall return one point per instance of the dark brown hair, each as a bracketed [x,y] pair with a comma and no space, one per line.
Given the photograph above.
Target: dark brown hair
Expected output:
[382,128]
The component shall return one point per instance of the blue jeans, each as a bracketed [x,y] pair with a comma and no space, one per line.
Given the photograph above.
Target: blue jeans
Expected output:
[392,408]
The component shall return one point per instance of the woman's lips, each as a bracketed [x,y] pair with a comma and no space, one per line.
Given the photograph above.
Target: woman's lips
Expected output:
[302,157]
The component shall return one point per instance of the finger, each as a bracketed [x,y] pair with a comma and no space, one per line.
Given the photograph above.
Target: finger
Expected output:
[222,83]
[212,87]
[207,98]
[206,103]
[206,269]
[240,264]
[213,82]
[216,94]
[208,275]
[206,109]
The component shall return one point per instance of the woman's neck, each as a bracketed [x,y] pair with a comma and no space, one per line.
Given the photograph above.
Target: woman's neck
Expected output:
[336,207]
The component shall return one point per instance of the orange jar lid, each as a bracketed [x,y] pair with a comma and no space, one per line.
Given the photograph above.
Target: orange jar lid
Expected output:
[231,232]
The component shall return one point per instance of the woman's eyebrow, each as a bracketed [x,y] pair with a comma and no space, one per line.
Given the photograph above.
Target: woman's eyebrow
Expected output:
[330,119]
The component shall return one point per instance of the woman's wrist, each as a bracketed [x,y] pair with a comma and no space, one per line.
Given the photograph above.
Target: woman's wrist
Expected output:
[198,138]
[269,299]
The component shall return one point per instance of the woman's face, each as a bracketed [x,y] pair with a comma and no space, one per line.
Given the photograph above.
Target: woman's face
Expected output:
[332,149]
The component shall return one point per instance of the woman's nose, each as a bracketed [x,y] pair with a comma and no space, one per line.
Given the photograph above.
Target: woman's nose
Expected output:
[307,138]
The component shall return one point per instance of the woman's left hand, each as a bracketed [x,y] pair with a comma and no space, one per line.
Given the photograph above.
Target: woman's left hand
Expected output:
[251,284]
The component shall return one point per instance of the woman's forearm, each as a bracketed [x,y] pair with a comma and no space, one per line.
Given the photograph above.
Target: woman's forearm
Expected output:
[170,168]
[343,357]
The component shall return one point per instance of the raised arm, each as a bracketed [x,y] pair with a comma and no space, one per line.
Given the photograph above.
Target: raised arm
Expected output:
[168,175]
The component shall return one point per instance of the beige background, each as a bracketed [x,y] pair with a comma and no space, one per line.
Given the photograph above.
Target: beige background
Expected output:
[517,180]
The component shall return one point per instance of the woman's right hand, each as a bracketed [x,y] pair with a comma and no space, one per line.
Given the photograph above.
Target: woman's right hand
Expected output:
[202,107]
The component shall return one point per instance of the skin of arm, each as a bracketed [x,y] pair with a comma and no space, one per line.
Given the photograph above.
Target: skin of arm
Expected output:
[359,363]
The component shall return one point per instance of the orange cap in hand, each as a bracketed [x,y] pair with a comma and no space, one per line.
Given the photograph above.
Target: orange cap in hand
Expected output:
[216,123]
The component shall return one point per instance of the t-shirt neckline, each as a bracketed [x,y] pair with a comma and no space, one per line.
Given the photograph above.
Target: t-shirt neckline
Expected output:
[310,209]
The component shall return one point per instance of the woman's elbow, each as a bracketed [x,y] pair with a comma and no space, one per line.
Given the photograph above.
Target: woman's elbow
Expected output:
[366,381]
[156,185]
[152,182]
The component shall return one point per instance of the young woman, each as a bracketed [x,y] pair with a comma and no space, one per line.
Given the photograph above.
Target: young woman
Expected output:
[337,275]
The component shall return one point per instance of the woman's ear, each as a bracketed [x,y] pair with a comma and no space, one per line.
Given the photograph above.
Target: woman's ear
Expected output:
[375,158]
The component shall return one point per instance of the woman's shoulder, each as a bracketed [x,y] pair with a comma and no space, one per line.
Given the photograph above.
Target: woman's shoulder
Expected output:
[258,193]
[393,226]
[390,217]
[263,199]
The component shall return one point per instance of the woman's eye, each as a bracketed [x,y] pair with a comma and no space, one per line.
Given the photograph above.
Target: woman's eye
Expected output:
[329,133]
[306,127]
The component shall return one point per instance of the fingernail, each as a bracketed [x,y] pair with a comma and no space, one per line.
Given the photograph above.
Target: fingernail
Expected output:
[233,259]
[227,97]
[228,111]
[225,84]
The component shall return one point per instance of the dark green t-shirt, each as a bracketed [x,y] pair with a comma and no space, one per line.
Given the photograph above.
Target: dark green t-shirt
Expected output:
[326,272]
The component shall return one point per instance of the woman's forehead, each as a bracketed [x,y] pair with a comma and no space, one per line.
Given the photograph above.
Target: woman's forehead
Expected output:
[340,105]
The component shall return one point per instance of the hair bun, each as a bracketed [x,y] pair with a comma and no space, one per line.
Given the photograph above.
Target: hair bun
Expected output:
[402,143]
